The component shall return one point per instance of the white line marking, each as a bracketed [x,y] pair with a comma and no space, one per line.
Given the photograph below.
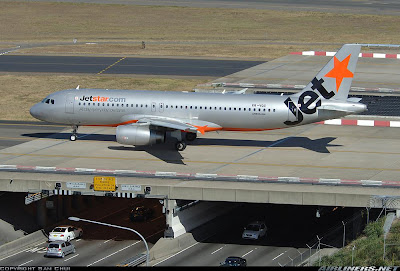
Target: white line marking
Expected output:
[25,263]
[217,250]
[114,253]
[278,256]
[107,241]
[176,254]
[78,240]
[21,251]
[247,253]
[71,257]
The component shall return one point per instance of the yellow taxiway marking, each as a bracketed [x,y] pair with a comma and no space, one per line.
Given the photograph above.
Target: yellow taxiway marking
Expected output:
[200,162]
[111,65]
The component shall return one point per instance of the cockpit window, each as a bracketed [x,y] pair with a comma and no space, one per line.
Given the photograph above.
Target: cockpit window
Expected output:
[48,101]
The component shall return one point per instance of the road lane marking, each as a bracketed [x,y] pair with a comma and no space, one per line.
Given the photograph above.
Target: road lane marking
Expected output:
[71,257]
[26,250]
[25,263]
[108,240]
[278,256]
[176,254]
[247,253]
[114,253]
[217,250]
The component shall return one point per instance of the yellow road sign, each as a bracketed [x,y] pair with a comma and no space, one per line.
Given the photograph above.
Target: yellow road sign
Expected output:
[102,183]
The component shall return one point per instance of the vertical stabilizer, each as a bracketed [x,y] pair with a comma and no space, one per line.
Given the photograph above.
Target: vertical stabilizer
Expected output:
[334,80]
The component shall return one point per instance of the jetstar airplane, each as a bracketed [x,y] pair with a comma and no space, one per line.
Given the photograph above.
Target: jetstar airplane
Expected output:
[149,117]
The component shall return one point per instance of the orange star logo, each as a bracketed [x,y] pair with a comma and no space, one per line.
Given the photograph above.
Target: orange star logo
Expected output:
[340,71]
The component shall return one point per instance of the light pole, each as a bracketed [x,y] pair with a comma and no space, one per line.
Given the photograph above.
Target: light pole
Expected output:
[114,226]
[344,233]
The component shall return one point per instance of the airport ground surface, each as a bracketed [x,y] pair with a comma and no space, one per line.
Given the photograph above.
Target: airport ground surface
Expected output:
[311,151]
[365,6]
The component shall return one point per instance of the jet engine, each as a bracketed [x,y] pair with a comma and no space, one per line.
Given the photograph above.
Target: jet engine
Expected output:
[139,135]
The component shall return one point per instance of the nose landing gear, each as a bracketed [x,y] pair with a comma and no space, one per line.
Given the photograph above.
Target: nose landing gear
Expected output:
[74,134]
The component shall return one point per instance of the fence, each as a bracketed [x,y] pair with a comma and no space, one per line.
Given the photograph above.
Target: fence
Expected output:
[334,238]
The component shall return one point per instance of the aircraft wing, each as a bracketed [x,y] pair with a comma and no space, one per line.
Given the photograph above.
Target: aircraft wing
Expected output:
[169,123]
[188,125]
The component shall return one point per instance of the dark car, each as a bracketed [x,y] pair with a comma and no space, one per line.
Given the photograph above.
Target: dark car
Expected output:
[141,213]
[234,261]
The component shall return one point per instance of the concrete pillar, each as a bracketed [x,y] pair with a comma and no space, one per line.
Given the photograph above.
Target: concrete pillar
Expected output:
[180,222]
[41,213]
[169,206]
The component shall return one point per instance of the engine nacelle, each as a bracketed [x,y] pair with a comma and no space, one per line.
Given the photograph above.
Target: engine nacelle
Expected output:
[139,135]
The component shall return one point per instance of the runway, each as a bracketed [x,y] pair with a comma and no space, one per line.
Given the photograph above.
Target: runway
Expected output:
[122,65]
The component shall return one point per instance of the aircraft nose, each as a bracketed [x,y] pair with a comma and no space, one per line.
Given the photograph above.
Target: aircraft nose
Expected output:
[36,112]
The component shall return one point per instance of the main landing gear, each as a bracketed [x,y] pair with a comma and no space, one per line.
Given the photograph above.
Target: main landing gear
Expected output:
[180,145]
[179,136]
[74,134]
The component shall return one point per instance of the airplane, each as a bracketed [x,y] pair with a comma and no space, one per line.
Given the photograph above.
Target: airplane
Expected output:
[147,117]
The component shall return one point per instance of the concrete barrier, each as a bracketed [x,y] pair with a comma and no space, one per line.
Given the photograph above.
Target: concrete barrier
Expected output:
[22,243]
[168,246]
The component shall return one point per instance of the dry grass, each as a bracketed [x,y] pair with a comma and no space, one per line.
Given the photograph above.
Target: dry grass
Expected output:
[259,51]
[42,22]
[20,92]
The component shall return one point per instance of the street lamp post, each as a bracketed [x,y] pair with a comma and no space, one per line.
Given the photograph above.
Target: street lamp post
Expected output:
[115,226]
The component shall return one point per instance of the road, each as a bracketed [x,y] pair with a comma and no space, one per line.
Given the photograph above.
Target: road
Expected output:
[120,65]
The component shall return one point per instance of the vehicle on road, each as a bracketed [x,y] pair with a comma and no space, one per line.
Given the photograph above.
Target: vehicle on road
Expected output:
[65,233]
[141,213]
[59,249]
[234,261]
[145,118]
[255,230]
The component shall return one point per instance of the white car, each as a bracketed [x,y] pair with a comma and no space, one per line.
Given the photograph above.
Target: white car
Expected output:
[65,233]
[255,230]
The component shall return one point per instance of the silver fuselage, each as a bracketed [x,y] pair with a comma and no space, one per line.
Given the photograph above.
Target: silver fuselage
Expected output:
[119,107]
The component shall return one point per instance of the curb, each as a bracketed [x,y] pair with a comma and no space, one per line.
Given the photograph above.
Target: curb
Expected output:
[369,55]
[201,176]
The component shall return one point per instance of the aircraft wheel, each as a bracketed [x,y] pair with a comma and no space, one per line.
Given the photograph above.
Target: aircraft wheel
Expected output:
[73,137]
[191,136]
[180,145]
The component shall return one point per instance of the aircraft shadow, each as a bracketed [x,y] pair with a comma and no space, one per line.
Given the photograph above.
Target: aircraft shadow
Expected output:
[82,137]
[168,154]
[165,152]
[317,145]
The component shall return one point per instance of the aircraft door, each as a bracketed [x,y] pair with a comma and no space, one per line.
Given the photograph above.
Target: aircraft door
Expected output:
[153,107]
[69,104]
[161,107]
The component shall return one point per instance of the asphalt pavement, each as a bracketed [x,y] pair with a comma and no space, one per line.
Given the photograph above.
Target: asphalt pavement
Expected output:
[122,65]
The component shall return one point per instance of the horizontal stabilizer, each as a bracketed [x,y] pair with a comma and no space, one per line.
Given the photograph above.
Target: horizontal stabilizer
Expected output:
[354,99]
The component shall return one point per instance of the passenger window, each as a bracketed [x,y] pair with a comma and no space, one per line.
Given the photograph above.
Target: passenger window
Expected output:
[63,245]
[52,101]
[48,101]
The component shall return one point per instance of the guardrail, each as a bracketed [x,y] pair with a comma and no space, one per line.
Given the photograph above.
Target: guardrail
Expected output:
[201,176]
